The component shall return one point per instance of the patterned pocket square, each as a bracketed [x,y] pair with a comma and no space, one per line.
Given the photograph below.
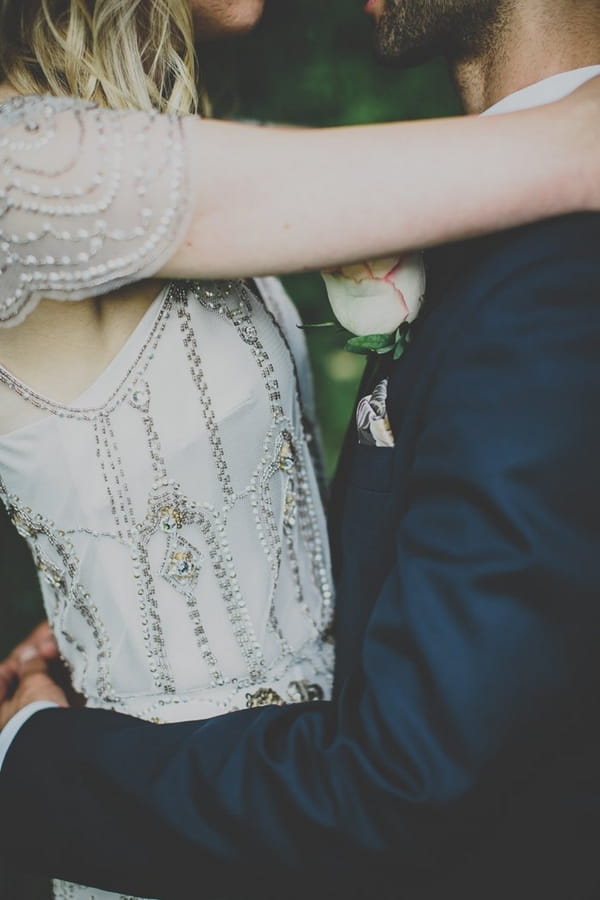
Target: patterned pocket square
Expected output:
[372,420]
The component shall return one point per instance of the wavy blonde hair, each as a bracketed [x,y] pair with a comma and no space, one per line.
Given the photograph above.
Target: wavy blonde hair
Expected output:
[124,54]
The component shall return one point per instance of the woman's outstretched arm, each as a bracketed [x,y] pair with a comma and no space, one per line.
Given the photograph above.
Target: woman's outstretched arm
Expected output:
[270,200]
[93,199]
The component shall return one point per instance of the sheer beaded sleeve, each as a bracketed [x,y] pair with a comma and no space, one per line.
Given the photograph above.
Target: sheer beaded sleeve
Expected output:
[90,199]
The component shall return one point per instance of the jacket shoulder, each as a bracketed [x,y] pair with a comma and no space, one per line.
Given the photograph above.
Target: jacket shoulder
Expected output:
[566,241]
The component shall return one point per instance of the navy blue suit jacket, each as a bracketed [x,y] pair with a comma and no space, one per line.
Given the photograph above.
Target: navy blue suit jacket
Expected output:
[460,756]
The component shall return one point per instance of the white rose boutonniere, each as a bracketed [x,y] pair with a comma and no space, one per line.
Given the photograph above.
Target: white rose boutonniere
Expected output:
[377,301]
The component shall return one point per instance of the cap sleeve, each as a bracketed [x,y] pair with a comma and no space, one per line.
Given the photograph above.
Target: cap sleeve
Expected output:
[90,199]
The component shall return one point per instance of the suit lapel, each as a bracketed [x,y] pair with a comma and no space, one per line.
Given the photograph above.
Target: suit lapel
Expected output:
[444,265]
[346,457]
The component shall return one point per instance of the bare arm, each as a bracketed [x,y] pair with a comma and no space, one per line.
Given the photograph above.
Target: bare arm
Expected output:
[91,200]
[270,200]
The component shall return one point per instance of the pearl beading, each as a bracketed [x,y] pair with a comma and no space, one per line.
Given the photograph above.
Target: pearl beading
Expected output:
[169,510]
[61,574]
[62,890]
[66,168]
[58,207]
[222,298]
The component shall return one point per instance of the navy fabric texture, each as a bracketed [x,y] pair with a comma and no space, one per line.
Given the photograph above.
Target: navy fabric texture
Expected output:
[460,755]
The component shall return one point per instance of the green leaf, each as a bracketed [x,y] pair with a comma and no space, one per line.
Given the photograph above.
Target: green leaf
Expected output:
[319,325]
[395,342]
[351,349]
[366,342]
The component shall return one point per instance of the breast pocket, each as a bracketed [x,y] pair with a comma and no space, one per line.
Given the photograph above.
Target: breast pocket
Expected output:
[367,543]
[368,507]
[373,468]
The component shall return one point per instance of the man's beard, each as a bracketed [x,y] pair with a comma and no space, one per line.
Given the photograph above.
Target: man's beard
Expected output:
[412,31]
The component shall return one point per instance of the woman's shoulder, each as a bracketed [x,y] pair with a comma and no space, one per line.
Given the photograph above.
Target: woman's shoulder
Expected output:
[34,116]
[36,108]
[91,199]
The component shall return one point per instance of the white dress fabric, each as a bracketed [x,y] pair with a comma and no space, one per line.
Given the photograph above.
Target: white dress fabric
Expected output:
[172,510]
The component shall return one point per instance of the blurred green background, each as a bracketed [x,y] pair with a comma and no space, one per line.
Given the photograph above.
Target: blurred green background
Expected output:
[309,63]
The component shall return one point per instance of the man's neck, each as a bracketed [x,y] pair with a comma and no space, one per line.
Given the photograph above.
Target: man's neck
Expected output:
[526,48]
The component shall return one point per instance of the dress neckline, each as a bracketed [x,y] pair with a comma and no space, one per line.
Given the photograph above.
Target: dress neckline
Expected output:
[88,404]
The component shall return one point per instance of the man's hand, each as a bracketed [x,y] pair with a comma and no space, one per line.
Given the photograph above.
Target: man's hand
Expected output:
[41,641]
[33,684]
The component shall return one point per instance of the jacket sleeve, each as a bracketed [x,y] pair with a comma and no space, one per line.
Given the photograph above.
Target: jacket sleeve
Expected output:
[478,660]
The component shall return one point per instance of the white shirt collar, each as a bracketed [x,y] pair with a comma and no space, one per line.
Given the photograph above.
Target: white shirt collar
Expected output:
[554,88]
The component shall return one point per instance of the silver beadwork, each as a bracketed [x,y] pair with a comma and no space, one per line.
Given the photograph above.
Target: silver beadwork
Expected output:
[40,178]
[172,537]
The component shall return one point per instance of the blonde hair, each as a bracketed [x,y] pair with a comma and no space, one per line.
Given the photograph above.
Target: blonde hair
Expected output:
[124,54]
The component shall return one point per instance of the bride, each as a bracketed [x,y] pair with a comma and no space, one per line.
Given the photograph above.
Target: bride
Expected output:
[157,446]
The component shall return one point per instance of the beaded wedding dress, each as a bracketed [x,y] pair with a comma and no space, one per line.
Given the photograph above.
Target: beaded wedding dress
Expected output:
[172,510]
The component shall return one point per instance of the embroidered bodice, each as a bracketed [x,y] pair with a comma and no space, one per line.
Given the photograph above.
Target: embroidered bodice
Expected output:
[172,510]
[173,513]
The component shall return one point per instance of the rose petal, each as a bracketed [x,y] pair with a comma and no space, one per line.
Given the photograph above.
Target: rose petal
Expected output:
[383,268]
[377,297]
[373,307]
[365,271]
[409,277]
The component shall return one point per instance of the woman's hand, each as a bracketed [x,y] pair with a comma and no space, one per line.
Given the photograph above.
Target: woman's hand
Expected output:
[41,641]
[33,685]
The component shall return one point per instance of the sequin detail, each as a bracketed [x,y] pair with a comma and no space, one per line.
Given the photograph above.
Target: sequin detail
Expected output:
[284,527]
[175,533]
[65,168]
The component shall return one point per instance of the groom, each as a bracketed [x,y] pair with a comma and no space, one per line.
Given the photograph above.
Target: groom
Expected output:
[460,756]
